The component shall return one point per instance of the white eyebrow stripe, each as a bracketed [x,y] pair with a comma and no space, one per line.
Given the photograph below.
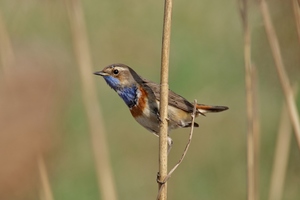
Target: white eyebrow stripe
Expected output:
[120,68]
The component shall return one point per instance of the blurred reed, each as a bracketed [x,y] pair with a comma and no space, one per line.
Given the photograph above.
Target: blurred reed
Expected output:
[252,119]
[9,68]
[296,8]
[30,106]
[91,103]
[46,192]
[6,51]
[284,80]
[281,155]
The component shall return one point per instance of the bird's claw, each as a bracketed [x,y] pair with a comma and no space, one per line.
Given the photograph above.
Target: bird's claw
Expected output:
[159,181]
[159,118]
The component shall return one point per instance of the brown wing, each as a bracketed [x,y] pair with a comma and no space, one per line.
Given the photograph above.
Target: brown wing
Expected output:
[174,99]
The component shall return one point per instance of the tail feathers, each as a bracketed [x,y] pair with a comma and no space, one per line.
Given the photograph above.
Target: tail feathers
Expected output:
[202,109]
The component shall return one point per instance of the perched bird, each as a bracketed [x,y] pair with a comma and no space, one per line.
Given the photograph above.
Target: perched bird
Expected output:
[143,98]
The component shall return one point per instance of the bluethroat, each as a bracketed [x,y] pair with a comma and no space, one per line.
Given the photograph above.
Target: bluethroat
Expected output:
[143,98]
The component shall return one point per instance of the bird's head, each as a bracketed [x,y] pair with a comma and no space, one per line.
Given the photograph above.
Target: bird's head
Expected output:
[119,76]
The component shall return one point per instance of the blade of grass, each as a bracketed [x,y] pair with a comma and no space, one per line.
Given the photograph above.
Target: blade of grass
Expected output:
[93,111]
[284,80]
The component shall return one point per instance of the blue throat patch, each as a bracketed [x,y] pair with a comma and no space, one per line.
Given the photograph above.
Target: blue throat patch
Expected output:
[128,94]
[114,83]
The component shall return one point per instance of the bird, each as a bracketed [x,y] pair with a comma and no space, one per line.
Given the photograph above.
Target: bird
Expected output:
[142,97]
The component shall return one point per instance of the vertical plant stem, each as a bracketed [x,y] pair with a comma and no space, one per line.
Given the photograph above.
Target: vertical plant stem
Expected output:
[256,131]
[250,96]
[281,156]
[164,93]
[284,80]
[46,193]
[96,125]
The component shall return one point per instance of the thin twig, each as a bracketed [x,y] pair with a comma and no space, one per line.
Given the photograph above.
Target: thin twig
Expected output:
[284,80]
[252,172]
[185,149]
[164,93]
[281,156]
[187,145]
[93,111]
[296,8]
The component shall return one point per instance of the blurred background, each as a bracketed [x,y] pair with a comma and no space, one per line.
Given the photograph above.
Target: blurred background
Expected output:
[42,113]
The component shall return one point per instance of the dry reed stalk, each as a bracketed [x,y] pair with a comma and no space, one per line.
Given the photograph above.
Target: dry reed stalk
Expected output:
[164,93]
[93,111]
[284,80]
[256,131]
[252,115]
[46,193]
[296,8]
[281,156]
[252,186]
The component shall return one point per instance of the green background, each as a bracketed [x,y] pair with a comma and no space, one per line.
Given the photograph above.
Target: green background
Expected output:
[206,63]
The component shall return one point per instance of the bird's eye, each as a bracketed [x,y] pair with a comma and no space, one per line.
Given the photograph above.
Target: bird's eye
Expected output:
[116,71]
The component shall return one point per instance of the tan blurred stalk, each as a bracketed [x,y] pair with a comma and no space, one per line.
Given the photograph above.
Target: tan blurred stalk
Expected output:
[7,61]
[46,192]
[281,156]
[252,131]
[284,80]
[29,106]
[256,131]
[97,130]
[296,8]
[164,93]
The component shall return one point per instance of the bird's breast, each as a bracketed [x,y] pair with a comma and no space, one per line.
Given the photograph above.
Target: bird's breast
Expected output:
[143,113]
[141,103]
